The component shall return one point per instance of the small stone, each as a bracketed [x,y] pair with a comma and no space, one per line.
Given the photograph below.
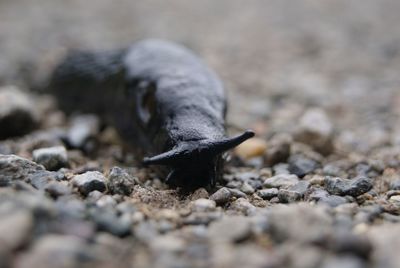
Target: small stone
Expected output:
[230,229]
[333,200]
[203,205]
[281,180]
[15,229]
[237,193]
[278,149]
[281,168]
[107,220]
[395,185]
[13,167]
[106,201]
[353,187]
[41,179]
[315,129]
[52,158]
[221,196]
[56,189]
[293,193]
[251,148]
[301,166]
[247,188]
[68,249]
[343,262]
[347,242]
[17,112]
[120,182]
[268,194]
[243,205]
[90,181]
[83,129]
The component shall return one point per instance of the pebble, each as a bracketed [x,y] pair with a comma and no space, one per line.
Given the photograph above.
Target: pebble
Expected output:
[293,193]
[243,205]
[237,193]
[268,194]
[230,229]
[107,220]
[316,129]
[299,222]
[251,148]
[278,149]
[247,188]
[82,129]
[221,196]
[52,158]
[203,205]
[69,251]
[56,189]
[90,181]
[120,182]
[343,262]
[353,187]
[333,200]
[15,229]
[17,112]
[13,167]
[301,166]
[395,185]
[281,180]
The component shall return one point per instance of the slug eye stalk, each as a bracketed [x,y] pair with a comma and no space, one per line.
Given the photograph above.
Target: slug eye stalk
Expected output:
[205,150]
[199,161]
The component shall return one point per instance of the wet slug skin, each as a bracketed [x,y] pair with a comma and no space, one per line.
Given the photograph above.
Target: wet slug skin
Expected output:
[161,98]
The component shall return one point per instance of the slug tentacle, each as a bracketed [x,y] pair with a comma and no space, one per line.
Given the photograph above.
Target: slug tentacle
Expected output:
[207,149]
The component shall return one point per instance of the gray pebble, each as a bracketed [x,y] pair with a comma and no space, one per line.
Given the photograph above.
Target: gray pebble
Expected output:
[247,188]
[301,166]
[221,196]
[230,229]
[56,189]
[343,262]
[353,187]
[90,181]
[333,200]
[395,185]
[293,193]
[107,220]
[316,129]
[203,205]
[281,180]
[83,128]
[17,112]
[237,193]
[268,193]
[51,158]
[120,182]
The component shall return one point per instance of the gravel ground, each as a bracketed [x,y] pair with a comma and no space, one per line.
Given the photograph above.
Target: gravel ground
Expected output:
[318,187]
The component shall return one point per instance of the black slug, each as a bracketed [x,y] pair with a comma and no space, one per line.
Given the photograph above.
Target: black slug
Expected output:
[161,98]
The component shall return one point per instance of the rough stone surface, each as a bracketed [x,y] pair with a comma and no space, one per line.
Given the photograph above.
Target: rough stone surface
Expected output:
[90,181]
[221,196]
[353,187]
[120,182]
[13,168]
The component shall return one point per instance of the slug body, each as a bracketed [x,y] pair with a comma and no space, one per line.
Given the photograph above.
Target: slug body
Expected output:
[161,98]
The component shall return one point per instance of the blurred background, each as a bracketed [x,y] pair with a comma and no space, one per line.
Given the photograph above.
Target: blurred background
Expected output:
[277,58]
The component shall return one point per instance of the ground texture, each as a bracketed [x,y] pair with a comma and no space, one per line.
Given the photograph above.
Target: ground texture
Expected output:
[318,187]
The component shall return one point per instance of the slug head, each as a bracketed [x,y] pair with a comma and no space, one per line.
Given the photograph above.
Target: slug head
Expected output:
[196,163]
